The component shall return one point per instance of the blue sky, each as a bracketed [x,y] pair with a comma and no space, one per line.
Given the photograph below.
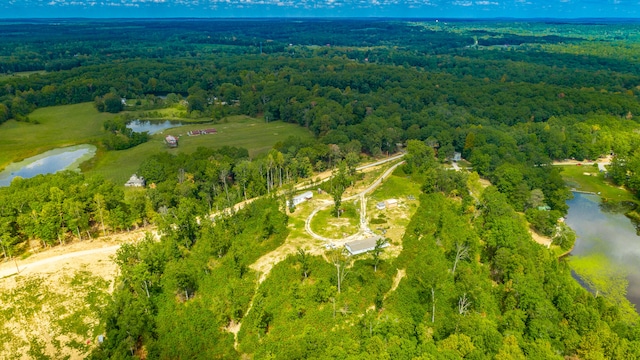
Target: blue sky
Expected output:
[321,8]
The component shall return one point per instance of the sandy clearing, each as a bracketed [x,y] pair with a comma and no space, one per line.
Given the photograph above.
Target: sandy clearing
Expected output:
[606,160]
[75,255]
[542,240]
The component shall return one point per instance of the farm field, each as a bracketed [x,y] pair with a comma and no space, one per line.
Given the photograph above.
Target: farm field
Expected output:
[57,126]
[253,134]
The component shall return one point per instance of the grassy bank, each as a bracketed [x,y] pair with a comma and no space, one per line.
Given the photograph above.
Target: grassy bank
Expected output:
[57,126]
[588,178]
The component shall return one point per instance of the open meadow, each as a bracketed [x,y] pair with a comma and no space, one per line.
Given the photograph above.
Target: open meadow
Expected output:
[56,126]
[67,125]
[253,134]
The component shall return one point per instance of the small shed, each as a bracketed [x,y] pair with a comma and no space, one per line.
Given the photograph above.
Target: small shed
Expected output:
[380,205]
[457,156]
[299,199]
[391,203]
[135,181]
[362,246]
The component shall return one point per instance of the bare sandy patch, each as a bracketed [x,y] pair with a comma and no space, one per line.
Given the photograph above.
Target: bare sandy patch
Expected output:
[50,307]
[540,239]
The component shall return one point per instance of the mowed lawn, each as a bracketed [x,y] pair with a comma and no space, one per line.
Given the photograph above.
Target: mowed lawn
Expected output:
[576,177]
[253,134]
[58,126]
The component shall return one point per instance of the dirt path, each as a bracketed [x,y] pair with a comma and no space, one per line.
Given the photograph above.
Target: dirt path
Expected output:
[603,160]
[74,255]
[542,240]
[396,281]
[364,231]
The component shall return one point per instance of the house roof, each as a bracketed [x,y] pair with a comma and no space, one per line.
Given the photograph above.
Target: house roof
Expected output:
[135,180]
[360,246]
[304,195]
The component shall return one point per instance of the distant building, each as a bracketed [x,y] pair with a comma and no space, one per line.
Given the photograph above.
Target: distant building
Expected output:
[381,205]
[362,246]
[391,203]
[202,132]
[457,156]
[135,181]
[299,199]
[602,168]
[171,141]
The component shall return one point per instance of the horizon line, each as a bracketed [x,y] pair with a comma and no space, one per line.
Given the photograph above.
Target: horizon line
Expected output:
[315,17]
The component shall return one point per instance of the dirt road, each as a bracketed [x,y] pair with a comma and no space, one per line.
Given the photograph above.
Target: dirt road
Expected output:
[75,255]
[85,253]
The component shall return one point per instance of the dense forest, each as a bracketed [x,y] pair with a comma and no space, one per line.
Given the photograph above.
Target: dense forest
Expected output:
[510,97]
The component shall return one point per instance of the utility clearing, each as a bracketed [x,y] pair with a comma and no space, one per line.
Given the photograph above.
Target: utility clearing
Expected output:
[50,307]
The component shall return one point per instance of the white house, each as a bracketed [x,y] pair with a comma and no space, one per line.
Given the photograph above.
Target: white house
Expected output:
[457,156]
[299,199]
[135,181]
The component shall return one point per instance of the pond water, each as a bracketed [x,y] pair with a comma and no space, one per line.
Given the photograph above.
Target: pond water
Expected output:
[604,230]
[67,158]
[152,126]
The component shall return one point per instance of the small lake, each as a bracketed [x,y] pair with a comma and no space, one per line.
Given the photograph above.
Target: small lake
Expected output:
[606,231]
[152,126]
[68,158]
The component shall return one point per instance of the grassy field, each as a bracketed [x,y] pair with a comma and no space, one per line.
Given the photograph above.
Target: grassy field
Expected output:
[21,74]
[395,187]
[393,221]
[253,134]
[576,177]
[57,126]
[325,224]
[66,125]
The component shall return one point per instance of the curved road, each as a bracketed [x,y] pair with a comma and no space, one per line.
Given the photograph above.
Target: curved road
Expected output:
[364,231]
[9,268]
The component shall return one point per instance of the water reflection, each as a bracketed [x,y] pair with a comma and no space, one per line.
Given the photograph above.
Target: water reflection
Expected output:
[49,162]
[603,229]
[152,127]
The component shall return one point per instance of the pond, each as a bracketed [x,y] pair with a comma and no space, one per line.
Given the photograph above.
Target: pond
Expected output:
[67,158]
[152,126]
[604,231]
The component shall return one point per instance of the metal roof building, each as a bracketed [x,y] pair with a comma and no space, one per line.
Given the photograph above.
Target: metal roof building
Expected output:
[362,246]
[301,198]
